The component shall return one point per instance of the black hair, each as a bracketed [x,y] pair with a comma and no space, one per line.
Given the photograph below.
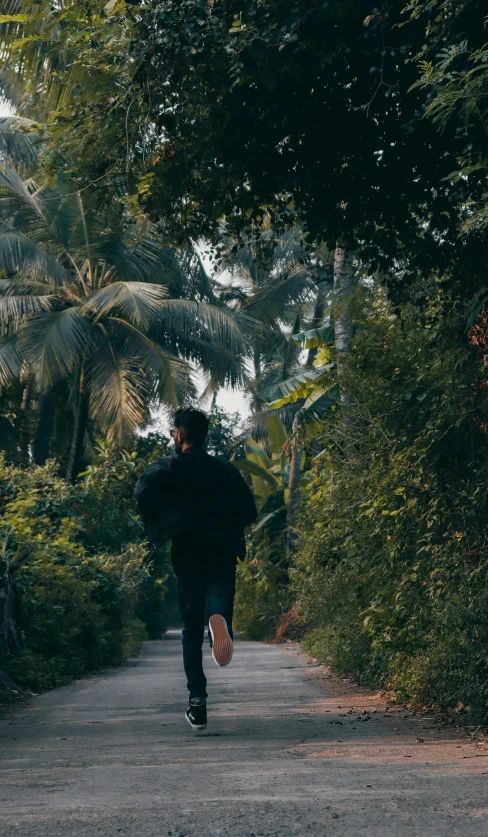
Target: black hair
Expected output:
[194,423]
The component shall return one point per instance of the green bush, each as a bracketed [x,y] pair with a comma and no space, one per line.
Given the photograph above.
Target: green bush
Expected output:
[263,591]
[392,567]
[107,503]
[90,591]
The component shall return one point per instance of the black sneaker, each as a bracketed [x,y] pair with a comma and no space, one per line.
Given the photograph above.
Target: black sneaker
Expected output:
[196,714]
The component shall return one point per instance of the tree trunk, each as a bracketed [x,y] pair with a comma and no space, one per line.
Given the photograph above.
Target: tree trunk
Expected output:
[11,639]
[323,285]
[293,489]
[75,460]
[344,279]
[297,450]
[290,351]
[44,426]
[343,286]
[26,397]
[24,434]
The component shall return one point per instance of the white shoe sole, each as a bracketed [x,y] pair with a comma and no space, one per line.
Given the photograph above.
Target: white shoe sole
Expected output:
[194,727]
[221,642]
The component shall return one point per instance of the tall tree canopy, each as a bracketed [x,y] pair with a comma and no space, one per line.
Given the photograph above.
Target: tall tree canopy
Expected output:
[454,65]
[237,108]
[90,299]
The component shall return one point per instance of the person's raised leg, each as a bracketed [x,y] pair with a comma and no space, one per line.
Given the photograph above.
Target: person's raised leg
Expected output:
[220,607]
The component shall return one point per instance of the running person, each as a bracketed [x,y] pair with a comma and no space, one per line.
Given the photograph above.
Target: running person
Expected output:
[203,504]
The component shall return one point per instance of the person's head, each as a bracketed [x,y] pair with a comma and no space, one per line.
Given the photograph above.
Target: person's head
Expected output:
[190,428]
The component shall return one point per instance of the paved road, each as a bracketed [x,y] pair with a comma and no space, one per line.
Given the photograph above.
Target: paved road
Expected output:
[112,755]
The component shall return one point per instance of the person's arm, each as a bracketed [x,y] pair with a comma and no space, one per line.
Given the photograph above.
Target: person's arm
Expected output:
[246,507]
[153,489]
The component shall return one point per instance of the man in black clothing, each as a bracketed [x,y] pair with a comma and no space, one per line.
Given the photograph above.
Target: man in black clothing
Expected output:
[203,504]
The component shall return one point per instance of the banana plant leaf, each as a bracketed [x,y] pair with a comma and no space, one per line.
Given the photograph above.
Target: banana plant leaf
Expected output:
[317,404]
[277,435]
[314,337]
[261,454]
[278,466]
[252,468]
[267,517]
[289,391]
[322,399]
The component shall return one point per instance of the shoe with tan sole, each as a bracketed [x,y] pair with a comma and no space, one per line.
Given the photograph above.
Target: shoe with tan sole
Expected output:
[221,640]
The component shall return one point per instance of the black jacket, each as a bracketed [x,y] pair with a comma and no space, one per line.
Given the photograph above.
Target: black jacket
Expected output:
[200,502]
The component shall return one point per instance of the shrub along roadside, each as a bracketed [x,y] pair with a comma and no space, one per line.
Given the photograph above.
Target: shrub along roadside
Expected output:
[90,591]
[262,589]
[392,569]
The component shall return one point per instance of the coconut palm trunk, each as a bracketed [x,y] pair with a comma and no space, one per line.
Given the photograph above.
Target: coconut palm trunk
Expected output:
[24,428]
[343,286]
[44,427]
[75,460]
[293,488]
[26,397]
[344,280]
[323,285]
[297,450]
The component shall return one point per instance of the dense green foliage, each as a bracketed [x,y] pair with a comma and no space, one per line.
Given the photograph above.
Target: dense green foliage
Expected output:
[240,109]
[263,590]
[391,570]
[90,592]
[311,145]
[16,423]
[454,73]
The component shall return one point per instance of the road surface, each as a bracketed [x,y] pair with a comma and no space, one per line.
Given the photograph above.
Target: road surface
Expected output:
[285,753]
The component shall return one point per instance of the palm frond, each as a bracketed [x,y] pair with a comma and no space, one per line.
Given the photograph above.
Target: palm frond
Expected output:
[11,361]
[17,301]
[118,388]
[193,280]
[185,320]
[86,228]
[17,251]
[166,375]
[210,389]
[19,144]
[22,283]
[43,53]
[226,367]
[138,302]
[292,287]
[140,255]
[26,222]
[54,342]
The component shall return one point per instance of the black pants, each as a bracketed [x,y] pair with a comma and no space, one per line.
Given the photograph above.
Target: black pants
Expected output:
[201,593]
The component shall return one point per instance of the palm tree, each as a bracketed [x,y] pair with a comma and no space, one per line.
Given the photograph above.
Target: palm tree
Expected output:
[280,284]
[289,288]
[101,302]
